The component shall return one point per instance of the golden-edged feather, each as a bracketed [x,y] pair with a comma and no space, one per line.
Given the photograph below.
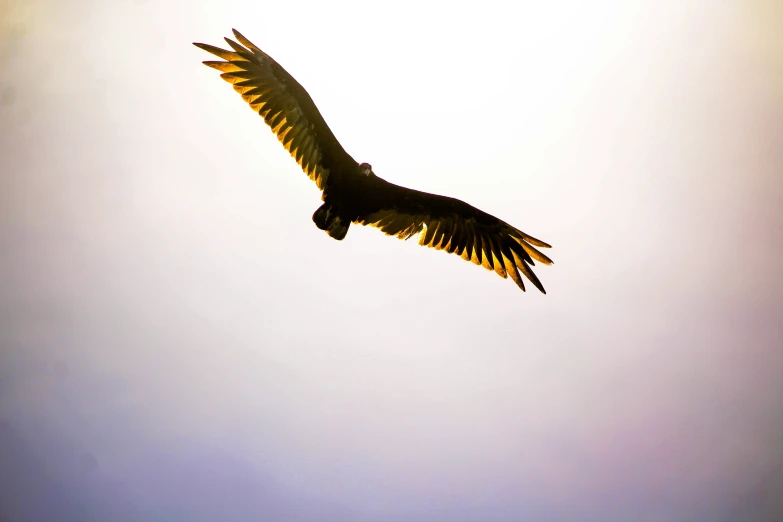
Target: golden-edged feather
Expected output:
[275,95]
[496,246]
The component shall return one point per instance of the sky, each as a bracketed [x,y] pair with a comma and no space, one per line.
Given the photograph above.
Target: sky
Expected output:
[180,342]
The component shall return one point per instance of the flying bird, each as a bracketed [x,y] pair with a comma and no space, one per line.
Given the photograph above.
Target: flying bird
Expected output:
[352,192]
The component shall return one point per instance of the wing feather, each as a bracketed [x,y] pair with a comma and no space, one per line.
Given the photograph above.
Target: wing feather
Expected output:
[525,269]
[438,239]
[486,253]
[456,238]
[469,254]
[308,159]
[465,245]
[293,137]
[477,249]
[511,268]
[429,235]
[456,227]
[283,103]
[497,257]
[448,234]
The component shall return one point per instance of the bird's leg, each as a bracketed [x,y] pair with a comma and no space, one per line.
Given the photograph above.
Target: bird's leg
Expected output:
[326,218]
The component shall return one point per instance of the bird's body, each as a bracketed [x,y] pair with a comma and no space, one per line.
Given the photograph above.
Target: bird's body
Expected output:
[352,193]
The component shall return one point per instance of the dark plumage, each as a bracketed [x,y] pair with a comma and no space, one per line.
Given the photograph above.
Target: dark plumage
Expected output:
[352,193]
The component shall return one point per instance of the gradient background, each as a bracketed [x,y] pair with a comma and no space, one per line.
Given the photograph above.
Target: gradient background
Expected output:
[180,342]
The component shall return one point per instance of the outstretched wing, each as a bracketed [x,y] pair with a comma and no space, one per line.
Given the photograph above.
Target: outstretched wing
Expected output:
[456,227]
[283,103]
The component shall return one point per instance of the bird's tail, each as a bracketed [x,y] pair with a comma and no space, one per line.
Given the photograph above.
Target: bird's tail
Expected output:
[326,219]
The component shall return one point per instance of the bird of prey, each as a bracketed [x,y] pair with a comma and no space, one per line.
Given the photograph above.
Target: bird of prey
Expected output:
[352,192]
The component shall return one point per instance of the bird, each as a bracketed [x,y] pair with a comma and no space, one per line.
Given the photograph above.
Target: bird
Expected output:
[352,193]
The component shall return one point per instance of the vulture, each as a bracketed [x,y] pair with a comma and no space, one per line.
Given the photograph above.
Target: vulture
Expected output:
[352,193]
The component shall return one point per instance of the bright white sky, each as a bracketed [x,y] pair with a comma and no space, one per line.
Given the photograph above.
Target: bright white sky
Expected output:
[186,344]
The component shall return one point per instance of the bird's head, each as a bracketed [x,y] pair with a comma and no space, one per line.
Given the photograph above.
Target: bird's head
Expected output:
[366,169]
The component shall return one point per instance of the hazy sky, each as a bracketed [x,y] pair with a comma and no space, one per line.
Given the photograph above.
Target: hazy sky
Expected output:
[180,342]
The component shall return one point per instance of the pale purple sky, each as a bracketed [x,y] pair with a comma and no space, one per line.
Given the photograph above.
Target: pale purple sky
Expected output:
[180,342]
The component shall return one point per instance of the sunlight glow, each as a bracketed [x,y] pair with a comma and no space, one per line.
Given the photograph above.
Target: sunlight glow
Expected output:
[181,342]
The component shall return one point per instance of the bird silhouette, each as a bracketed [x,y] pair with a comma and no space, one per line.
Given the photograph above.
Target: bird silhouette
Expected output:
[352,192]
